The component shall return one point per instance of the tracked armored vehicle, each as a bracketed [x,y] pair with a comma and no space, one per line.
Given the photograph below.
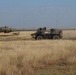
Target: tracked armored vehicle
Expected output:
[5,30]
[42,33]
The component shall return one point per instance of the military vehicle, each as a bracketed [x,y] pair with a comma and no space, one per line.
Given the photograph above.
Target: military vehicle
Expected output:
[42,33]
[6,30]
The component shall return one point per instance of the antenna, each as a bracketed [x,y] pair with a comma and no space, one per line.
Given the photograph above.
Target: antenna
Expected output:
[57,19]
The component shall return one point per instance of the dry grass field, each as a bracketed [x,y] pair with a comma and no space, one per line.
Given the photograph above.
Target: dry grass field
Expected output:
[22,55]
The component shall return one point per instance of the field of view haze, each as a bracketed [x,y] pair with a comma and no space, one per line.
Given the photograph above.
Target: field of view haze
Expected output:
[23,55]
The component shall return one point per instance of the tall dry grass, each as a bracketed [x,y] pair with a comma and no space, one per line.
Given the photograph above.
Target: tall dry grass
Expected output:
[28,56]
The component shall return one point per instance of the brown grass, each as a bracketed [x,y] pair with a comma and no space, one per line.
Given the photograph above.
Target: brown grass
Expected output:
[25,57]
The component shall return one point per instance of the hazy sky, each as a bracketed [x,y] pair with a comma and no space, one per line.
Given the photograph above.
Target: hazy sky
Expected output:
[38,13]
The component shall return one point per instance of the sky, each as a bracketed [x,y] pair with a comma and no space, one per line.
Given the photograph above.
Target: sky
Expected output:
[38,13]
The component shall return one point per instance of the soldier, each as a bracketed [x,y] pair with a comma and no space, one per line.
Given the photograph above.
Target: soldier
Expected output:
[51,30]
[44,29]
[39,29]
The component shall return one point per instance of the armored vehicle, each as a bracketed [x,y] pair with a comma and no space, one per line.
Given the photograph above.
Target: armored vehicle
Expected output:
[6,30]
[42,33]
